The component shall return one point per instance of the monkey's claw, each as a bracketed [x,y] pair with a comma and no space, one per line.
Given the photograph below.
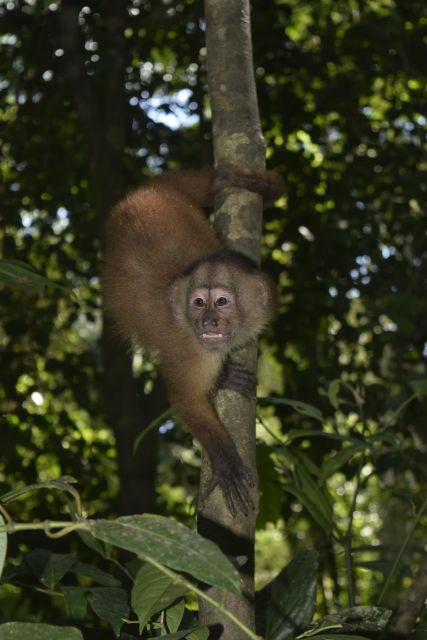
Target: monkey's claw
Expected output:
[235,482]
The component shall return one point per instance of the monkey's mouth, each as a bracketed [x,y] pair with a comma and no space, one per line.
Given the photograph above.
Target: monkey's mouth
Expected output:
[213,337]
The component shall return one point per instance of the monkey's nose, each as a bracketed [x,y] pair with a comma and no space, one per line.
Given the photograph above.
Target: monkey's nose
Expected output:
[209,319]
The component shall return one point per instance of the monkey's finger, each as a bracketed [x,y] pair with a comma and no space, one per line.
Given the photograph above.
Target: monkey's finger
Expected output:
[243,497]
[214,482]
[229,502]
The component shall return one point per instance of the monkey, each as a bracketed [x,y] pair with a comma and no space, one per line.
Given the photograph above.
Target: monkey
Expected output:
[170,283]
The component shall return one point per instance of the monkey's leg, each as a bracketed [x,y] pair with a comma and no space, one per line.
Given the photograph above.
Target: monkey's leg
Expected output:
[238,378]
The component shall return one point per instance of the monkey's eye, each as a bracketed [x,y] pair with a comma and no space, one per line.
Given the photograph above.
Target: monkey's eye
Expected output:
[221,302]
[199,302]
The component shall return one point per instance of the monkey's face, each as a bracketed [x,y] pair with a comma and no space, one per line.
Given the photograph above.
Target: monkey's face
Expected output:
[213,314]
[222,304]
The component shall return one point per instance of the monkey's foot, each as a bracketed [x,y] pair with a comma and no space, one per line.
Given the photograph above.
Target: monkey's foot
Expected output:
[267,183]
[235,481]
[238,378]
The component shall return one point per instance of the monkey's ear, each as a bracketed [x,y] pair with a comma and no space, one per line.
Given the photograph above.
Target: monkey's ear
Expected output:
[177,297]
[266,292]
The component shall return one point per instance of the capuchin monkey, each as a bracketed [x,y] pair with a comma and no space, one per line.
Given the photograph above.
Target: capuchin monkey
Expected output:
[171,283]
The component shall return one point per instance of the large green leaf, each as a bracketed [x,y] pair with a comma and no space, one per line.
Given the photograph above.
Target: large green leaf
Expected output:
[289,600]
[152,592]
[37,631]
[169,543]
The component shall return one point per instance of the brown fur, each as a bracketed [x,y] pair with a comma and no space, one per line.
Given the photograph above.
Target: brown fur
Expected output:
[154,238]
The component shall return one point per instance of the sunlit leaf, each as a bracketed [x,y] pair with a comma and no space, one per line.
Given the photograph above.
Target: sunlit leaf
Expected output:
[333,391]
[287,603]
[169,543]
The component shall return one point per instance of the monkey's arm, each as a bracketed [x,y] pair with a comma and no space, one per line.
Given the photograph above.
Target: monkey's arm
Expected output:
[228,471]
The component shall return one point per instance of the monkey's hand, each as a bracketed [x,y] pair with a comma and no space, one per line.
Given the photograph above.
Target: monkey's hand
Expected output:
[235,481]
[238,378]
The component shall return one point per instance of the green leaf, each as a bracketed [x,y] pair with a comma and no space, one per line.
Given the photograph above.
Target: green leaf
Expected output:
[49,567]
[289,600]
[271,494]
[97,575]
[60,484]
[110,604]
[20,275]
[169,543]
[200,633]
[300,407]
[294,434]
[314,496]
[187,633]
[154,424]
[100,547]
[336,636]
[419,387]
[37,631]
[334,463]
[152,592]
[75,602]
[333,391]
[174,614]
[3,546]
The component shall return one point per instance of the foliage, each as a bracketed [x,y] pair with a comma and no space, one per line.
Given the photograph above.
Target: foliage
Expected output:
[342,93]
[160,545]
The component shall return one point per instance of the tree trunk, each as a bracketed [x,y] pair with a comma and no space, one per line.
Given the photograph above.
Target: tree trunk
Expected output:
[237,141]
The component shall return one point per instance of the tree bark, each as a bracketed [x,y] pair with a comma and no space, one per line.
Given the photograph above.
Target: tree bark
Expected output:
[238,219]
[410,607]
[103,124]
